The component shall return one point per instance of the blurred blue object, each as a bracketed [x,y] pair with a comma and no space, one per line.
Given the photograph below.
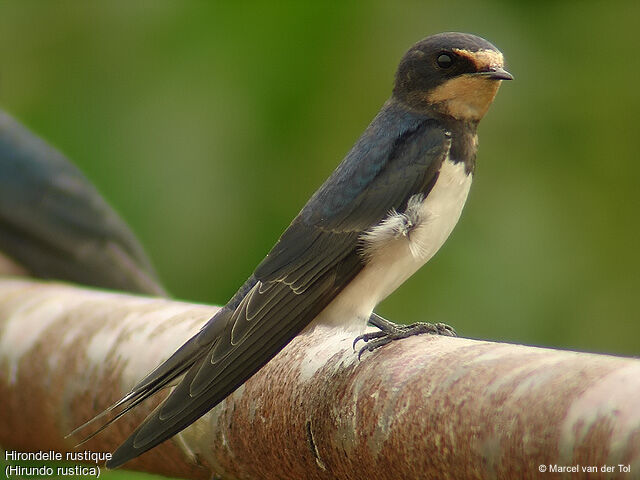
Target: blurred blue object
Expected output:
[55,224]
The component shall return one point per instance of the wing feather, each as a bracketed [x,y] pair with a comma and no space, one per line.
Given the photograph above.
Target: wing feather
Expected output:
[316,257]
[55,223]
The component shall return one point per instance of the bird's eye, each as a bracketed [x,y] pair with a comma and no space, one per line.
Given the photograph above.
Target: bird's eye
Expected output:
[444,60]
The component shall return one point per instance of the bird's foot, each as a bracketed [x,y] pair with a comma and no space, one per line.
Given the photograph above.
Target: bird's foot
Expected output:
[390,331]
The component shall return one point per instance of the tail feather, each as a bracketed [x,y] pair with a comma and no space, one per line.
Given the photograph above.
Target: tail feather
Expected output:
[134,397]
[161,377]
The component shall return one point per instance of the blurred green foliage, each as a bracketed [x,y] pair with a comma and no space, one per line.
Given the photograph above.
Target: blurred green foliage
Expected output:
[209,124]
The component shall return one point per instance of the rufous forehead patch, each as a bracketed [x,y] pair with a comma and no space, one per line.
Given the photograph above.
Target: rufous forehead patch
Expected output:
[483,59]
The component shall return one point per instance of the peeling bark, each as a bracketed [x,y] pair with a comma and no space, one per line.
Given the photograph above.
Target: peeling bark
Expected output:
[423,407]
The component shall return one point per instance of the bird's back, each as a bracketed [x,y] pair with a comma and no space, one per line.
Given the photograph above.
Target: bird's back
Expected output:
[54,224]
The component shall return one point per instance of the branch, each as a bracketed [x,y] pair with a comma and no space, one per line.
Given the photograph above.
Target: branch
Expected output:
[428,407]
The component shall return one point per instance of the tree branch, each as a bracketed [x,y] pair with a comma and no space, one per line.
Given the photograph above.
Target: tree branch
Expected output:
[424,407]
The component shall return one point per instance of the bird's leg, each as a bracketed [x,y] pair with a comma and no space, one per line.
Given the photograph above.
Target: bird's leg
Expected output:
[390,331]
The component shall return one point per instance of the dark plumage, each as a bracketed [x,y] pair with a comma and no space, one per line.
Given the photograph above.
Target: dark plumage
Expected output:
[416,73]
[55,224]
[314,269]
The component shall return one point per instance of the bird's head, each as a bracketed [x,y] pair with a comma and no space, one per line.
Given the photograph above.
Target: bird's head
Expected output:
[455,74]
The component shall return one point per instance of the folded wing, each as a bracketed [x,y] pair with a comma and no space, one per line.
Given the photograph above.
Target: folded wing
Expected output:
[311,263]
[55,224]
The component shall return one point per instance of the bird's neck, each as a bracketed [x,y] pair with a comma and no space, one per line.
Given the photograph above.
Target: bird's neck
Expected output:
[464,140]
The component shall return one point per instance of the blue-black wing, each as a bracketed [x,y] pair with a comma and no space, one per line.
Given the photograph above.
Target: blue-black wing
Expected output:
[55,224]
[398,156]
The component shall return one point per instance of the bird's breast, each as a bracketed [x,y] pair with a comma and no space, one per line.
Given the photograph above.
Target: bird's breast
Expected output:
[400,244]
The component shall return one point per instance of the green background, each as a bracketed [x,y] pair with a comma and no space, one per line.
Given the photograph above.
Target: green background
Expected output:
[208,126]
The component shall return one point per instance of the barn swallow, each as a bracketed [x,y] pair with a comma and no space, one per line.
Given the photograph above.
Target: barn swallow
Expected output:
[55,224]
[382,214]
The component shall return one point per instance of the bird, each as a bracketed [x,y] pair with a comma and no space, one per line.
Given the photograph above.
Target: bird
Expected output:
[383,213]
[54,224]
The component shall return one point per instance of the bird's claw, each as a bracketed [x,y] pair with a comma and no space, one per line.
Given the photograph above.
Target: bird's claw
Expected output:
[368,336]
[375,340]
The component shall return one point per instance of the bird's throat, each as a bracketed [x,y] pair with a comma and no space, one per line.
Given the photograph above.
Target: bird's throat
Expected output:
[464,98]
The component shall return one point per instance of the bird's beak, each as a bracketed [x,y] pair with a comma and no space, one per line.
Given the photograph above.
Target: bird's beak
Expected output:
[495,73]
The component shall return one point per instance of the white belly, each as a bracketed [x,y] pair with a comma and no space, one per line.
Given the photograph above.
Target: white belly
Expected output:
[394,257]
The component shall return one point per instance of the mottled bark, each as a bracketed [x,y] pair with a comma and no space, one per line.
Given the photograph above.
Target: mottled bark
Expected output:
[423,407]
